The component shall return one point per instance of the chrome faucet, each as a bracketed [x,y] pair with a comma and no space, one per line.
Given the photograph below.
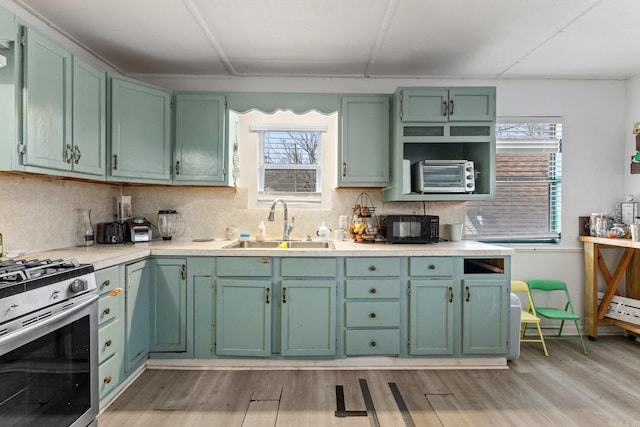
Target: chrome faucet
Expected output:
[272,214]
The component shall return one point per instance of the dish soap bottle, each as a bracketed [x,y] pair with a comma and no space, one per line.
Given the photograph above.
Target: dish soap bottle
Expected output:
[261,232]
[323,232]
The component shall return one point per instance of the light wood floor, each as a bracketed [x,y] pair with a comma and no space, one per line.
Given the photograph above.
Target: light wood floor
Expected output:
[565,389]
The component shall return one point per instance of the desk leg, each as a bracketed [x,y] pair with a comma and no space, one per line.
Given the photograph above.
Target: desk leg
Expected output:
[633,277]
[591,253]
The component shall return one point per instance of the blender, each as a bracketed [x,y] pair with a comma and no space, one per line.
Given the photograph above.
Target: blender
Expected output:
[169,223]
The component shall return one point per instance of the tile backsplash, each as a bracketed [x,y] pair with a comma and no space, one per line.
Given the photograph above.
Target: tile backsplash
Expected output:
[39,212]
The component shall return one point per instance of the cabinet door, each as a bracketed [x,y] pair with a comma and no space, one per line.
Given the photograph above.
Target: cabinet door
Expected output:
[137,315]
[200,139]
[424,105]
[431,311]
[472,104]
[484,316]
[168,296]
[308,325]
[243,317]
[47,103]
[140,138]
[89,118]
[7,28]
[364,141]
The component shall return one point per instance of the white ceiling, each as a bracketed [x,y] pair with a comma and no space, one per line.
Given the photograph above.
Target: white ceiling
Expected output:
[356,38]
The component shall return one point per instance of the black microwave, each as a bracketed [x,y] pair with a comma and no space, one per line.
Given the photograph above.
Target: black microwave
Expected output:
[411,228]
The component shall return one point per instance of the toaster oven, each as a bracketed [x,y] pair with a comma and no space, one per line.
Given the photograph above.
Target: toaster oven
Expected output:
[443,176]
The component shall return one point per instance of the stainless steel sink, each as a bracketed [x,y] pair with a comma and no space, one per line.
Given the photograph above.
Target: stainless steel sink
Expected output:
[274,244]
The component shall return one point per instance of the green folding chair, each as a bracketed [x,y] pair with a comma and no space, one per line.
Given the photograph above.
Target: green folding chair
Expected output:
[558,287]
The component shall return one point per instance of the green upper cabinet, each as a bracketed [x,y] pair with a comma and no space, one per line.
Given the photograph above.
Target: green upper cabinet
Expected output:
[140,137]
[199,152]
[364,140]
[460,104]
[89,118]
[47,103]
[7,28]
[64,111]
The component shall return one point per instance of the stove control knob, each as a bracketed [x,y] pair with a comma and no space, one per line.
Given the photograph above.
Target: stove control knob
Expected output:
[78,285]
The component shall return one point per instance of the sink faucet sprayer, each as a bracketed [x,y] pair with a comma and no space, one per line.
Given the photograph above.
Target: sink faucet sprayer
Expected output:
[272,213]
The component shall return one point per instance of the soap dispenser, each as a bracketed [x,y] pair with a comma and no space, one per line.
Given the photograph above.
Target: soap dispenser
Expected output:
[323,232]
[261,232]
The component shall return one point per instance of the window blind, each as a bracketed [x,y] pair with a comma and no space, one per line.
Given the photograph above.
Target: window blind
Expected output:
[528,186]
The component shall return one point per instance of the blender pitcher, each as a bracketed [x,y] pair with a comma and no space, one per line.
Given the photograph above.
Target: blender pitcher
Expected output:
[84,229]
[169,223]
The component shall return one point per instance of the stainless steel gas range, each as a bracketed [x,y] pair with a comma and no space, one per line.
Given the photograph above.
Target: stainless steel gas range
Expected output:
[48,343]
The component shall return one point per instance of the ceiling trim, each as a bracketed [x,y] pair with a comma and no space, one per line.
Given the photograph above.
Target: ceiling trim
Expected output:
[386,23]
[197,16]
[552,36]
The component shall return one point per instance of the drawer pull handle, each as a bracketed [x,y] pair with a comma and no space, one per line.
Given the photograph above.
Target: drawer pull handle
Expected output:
[106,282]
[108,343]
[372,268]
[373,344]
[372,315]
[450,294]
[431,267]
[372,291]
[107,379]
[107,310]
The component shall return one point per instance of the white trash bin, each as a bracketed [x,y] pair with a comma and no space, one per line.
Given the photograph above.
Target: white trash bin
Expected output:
[513,349]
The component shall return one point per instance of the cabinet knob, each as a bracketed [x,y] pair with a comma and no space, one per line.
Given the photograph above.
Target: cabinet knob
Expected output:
[107,379]
[372,291]
[107,310]
[373,344]
[106,282]
[372,315]
[372,268]
[431,267]
[108,343]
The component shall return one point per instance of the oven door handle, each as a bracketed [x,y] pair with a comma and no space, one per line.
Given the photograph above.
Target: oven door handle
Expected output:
[49,321]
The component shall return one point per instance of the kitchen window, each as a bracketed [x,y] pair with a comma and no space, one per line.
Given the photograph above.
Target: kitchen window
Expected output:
[289,164]
[528,185]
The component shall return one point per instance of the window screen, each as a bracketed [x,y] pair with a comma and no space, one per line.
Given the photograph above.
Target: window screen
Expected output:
[528,185]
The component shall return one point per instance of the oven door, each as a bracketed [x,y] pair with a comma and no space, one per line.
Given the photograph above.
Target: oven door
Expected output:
[49,370]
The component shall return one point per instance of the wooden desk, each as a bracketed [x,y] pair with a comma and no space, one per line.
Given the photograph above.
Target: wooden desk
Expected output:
[628,263]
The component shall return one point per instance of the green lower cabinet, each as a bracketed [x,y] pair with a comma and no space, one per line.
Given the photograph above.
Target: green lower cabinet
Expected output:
[484,316]
[168,305]
[431,317]
[308,318]
[137,315]
[243,317]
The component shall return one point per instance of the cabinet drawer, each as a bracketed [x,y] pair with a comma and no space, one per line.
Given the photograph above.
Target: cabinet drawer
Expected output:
[368,288]
[244,266]
[372,341]
[308,267]
[372,314]
[373,266]
[109,374]
[110,340]
[431,266]
[109,306]
[108,279]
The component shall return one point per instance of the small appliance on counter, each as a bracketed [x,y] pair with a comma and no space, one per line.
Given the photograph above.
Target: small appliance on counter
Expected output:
[170,223]
[411,228]
[110,232]
[138,229]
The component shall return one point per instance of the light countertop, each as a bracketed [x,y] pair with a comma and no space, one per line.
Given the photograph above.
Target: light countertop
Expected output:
[102,256]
